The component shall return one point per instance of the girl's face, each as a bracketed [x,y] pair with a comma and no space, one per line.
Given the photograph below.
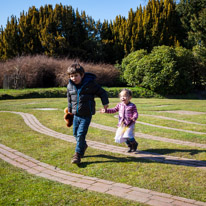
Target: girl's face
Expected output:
[124,97]
[76,78]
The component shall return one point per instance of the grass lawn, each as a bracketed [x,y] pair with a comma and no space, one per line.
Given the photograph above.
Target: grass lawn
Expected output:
[20,188]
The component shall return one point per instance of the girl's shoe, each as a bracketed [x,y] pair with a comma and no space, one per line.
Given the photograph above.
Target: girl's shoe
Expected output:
[129,146]
[129,150]
[134,146]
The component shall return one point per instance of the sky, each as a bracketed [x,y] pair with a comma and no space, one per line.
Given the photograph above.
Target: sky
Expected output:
[98,10]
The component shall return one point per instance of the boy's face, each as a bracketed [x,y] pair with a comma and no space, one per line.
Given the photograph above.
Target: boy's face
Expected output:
[124,97]
[76,78]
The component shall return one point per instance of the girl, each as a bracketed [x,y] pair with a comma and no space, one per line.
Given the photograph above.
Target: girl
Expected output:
[127,116]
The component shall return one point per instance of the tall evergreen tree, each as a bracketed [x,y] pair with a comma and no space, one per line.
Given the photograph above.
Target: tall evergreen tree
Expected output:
[192,15]
[10,39]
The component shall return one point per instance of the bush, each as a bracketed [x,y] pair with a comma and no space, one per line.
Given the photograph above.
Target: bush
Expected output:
[199,71]
[165,70]
[137,92]
[41,71]
[129,64]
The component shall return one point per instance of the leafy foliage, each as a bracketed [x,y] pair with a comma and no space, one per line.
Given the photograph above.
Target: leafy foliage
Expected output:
[199,70]
[63,32]
[192,15]
[165,70]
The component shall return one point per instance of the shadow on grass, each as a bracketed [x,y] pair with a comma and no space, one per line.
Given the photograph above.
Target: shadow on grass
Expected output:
[149,158]
[110,159]
[171,151]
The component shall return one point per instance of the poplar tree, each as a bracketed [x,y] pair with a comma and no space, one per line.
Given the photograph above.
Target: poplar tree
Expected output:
[10,39]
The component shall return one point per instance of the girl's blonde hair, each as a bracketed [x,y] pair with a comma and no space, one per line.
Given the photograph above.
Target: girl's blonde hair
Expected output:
[127,91]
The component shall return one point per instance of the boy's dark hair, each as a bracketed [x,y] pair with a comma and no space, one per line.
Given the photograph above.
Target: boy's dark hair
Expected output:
[127,91]
[75,68]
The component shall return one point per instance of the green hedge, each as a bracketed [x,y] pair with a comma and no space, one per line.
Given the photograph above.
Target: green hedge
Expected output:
[62,92]
[138,92]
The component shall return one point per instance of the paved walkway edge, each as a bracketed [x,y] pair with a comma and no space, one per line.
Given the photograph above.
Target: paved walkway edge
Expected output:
[170,128]
[50,172]
[34,124]
[152,137]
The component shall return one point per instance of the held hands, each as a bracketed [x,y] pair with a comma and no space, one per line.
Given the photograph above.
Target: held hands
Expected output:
[105,108]
[102,111]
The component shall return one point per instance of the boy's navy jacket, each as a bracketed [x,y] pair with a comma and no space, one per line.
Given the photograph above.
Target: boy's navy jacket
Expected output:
[81,97]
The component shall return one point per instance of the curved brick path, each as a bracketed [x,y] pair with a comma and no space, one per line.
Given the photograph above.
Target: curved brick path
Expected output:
[34,124]
[164,127]
[44,170]
[170,128]
[152,137]
[173,119]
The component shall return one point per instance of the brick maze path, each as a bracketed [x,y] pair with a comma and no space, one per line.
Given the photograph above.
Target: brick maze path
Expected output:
[173,119]
[47,171]
[34,124]
[152,137]
[94,184]
[170,128]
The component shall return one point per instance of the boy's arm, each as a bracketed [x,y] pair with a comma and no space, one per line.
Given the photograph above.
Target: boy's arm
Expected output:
[102,94]
[69,102]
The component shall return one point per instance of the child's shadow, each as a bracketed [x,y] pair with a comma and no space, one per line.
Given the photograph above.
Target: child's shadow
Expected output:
[170,151]
[158,159]
[108,158]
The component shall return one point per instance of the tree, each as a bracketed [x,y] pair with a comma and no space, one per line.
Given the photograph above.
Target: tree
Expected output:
[192,17]
[197,34]
[10,40]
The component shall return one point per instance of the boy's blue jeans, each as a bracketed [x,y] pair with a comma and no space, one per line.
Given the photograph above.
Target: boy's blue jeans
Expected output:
[80,128]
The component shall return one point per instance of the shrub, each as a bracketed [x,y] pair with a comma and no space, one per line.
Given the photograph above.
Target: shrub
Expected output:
[165,70]
[42,71]
[129,65]
[199,71]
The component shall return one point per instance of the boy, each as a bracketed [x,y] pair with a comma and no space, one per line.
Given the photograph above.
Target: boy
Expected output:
[81,91]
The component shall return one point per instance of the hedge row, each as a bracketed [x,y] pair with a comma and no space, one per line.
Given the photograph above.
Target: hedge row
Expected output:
[61,92]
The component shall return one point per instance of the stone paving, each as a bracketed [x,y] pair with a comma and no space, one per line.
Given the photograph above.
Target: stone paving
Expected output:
[34,124]
[173,119]
[175,129]
[141,195]
[152,137]
[129,192]
[170,128]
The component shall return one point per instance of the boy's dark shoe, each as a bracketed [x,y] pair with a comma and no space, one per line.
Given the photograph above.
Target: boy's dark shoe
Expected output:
[85,148]
[76,159]
[134,146]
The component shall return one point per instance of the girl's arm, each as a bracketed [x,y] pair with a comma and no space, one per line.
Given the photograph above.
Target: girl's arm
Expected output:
[135,113]
[112,110]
